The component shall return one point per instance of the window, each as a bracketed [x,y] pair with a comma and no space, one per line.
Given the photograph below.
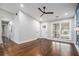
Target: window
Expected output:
[56,30]
[61,30]
[65,30]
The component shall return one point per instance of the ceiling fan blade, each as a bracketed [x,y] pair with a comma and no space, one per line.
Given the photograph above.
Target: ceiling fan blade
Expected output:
[40,10]
[42,15]
[49,12]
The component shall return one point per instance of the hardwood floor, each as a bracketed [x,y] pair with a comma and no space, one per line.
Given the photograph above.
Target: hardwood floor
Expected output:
[42,47]
[62,49]
[1,50]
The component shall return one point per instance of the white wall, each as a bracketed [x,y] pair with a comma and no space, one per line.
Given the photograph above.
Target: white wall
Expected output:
[6,16]
[25,28]
[46,32]
[0,33]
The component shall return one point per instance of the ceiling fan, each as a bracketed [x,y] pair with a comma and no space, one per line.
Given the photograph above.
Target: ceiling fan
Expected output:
[44,12]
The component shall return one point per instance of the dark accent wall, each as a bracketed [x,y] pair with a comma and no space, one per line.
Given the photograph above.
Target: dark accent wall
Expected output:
[77,24]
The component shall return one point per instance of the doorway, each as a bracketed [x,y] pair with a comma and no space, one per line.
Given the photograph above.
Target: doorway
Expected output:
[5,39]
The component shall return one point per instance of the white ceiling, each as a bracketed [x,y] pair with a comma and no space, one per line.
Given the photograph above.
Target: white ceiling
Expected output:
[59,9]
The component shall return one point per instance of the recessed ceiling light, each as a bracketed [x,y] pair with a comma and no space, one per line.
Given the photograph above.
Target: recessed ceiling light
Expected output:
[41,19]
[66,14]
[21,5]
